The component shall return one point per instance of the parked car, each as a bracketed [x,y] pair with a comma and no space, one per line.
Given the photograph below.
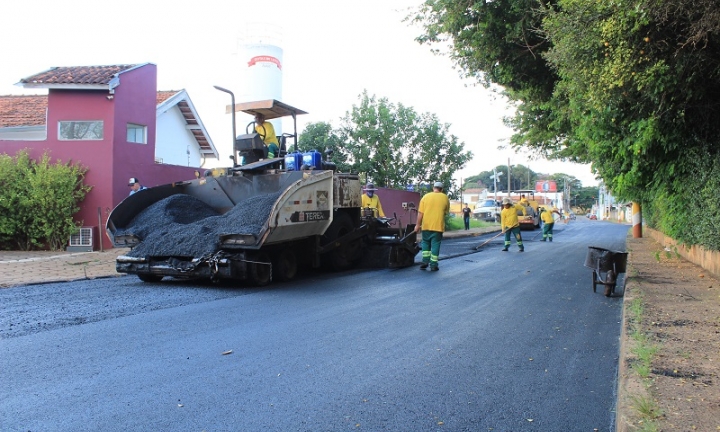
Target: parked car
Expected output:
[487,210]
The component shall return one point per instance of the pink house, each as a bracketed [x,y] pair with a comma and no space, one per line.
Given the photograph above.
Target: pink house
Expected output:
[112,120]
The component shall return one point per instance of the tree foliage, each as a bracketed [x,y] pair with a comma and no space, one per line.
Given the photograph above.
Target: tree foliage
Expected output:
[321,137]
[521,177]
[38,200]
[391,144]
[630,86]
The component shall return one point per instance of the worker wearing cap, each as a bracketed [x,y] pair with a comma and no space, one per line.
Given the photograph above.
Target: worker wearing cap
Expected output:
[510,224]
[434,206]
[267,132]
[135,185]
[370,200]
[548,223]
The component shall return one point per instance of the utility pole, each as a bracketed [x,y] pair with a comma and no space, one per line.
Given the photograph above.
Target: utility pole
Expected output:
[461,193]
[509,175]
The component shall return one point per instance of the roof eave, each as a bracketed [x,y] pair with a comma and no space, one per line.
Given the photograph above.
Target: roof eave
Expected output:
[178,97]
[64,86]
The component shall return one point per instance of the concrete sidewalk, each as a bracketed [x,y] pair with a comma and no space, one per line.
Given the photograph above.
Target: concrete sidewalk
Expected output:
[26,268]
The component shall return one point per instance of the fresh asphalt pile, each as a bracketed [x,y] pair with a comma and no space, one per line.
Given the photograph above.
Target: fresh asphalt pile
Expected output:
[184,226]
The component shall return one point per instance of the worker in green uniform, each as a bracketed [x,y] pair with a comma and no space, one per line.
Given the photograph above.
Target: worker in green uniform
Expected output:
[431,221]
[510,224]
[548,223]
[267,132]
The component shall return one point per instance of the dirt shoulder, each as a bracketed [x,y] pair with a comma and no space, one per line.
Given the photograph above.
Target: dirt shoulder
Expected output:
[670,359]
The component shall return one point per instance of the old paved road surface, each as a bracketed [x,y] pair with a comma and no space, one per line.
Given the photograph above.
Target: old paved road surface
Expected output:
[493,341]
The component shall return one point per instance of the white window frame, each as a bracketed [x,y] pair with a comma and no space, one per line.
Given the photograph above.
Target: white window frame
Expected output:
[136,127]
[84,137]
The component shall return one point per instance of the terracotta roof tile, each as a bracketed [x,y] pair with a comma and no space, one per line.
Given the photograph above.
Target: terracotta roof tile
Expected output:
[77,75]
[30,110]
[23,110]
[163,95]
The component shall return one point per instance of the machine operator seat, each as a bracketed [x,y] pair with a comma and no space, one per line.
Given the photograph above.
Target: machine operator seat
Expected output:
[250,147]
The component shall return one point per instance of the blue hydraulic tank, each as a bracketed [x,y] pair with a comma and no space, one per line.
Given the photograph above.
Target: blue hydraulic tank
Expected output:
[312,159]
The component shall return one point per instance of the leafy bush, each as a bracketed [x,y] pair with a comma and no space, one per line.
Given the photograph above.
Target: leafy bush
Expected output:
[38,200]
[686,207]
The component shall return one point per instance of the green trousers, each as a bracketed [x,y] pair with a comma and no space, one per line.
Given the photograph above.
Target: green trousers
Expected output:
[548,230]
[431,247]
[515,232]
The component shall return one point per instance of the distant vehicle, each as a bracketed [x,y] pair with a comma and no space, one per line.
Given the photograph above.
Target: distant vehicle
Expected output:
[487,210]
[592,217]
[532,219]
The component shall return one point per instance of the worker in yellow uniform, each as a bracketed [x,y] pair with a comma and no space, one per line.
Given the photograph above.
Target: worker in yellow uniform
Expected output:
[266,130]
[548,223]
[370,200]
[510,224]
[431,220]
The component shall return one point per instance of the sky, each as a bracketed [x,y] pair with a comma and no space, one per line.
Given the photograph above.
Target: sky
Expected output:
[333,50]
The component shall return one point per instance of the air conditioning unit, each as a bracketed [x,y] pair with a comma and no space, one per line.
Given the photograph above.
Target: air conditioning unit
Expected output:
[82,241]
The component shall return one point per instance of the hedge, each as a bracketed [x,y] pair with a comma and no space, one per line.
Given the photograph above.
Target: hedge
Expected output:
[38,200]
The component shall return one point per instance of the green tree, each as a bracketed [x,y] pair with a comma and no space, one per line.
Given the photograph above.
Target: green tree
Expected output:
[521,177]
[476,181]
[628,86]
[565,181]
[38,201]
[500,44]
[394,146]
[320,136]
[584,197]
[56,191]
[13,195]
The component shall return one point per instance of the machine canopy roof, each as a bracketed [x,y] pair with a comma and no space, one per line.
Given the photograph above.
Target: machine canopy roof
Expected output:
[270,108]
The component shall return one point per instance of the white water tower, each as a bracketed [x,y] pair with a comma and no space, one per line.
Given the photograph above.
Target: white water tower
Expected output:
[261,66]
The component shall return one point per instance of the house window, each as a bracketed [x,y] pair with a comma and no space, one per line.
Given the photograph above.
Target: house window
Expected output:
[136,133]
[80,130]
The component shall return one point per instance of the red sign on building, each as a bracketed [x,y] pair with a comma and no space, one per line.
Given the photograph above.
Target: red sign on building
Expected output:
[545,186]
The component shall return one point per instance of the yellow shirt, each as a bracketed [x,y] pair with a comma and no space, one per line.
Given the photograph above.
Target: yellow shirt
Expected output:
[434,206]
[509,218]
[520,209]
[373,203]
[268,131]
[547,216]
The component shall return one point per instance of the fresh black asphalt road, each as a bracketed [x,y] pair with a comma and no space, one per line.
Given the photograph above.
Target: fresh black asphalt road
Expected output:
[494,341]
